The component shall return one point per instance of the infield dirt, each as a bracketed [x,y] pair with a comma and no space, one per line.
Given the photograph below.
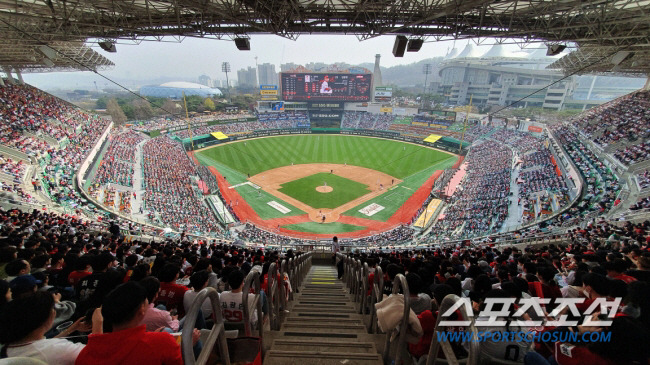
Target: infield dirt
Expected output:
[271,181]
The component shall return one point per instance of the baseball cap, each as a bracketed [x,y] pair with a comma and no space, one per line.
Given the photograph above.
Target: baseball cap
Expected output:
[24,281]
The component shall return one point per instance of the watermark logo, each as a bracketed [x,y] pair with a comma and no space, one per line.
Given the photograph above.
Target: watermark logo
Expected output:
[559,317]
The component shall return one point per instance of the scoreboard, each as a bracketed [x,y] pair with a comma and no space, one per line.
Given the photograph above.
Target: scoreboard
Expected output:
[325,87]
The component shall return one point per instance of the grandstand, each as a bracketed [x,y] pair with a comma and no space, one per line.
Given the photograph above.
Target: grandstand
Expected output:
[98,221]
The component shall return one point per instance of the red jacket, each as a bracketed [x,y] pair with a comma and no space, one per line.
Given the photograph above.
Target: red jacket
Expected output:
[131,346]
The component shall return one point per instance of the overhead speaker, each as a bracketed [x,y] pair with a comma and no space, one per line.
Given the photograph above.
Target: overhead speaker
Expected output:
[243,44]
[414,45]
[621,56]
[47,62]
[555,49]
[47,52]
[400,46]
[108,46]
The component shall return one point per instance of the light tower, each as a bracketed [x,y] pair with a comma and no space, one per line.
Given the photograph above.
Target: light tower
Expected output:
[426,70]
[225,67]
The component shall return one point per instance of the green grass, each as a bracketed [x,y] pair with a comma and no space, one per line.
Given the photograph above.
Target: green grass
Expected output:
[394,158]
[313,227]
[258,200]
[395,198]
[344,190]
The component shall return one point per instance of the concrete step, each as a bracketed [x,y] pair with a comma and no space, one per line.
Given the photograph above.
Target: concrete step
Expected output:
[323,346]
[277,357]
[323,299]
[311,308]
[324,315]
[322,295]
[355,328]
[326,320]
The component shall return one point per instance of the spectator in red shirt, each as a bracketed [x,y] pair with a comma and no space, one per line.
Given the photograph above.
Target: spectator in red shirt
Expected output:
[82,269]
[615,270]
[127,342]
[171,294]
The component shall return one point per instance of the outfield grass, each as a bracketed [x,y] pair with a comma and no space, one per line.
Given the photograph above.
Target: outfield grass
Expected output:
[258,200]
[392,200]
[313,227]
[344,190]
[394,158]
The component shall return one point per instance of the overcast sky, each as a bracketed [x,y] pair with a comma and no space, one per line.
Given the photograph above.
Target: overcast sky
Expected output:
[136,64]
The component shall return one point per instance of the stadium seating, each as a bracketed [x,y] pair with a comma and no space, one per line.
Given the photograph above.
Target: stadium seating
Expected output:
[466,255]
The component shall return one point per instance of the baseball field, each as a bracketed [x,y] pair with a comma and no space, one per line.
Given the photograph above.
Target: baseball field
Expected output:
[316,186]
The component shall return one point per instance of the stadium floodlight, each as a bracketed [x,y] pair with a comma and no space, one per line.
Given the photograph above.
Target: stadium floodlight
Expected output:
[555,49]
[108,46]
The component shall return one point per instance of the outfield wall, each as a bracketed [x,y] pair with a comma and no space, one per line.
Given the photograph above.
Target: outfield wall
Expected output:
[443,144]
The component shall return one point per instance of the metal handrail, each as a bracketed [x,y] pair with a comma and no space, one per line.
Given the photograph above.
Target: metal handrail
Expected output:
[217,331]
[364,291]
[399,282]
[283,296]
[253,280]
[356,265]
[376,296]
[472,359]
[273,297]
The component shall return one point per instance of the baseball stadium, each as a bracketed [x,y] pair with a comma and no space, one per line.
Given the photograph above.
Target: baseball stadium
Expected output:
[329,217]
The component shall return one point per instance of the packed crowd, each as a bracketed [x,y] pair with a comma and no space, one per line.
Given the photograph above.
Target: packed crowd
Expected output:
[480,205]
[163,123]
[253,234]
[24,108]
[396,235]
[602,184]
[520,141]
[117,164]
[635,153]
[168,188]
[350,120]
[641,204]
[541,175]
[374,121]
[70,294]
[226,128]
[12,168]
[601,262]
[626,118]
[284,120]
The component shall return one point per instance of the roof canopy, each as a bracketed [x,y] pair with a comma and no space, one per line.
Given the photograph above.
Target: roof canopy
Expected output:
[616,23]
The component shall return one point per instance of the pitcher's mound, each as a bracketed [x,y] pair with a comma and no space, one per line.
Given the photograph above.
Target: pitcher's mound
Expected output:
[324,189]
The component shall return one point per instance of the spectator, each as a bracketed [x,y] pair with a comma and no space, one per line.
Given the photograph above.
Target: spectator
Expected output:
[127,342]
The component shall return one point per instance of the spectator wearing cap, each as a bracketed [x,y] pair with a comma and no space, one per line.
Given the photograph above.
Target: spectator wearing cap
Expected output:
[24,284]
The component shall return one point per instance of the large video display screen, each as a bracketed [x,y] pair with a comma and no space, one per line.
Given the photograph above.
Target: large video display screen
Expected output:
[325,87]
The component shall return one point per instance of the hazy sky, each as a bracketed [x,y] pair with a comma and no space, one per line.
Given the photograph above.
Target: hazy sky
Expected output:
[135,64]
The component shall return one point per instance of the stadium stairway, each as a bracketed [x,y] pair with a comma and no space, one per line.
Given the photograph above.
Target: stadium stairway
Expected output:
[323,327]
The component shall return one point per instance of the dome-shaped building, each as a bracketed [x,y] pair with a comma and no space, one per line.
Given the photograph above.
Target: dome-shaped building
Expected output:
[174,90]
